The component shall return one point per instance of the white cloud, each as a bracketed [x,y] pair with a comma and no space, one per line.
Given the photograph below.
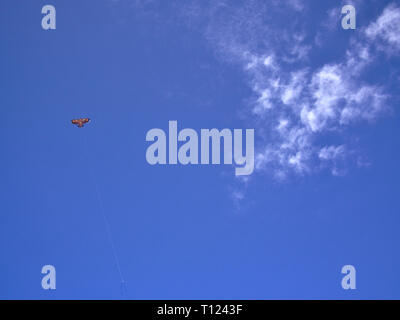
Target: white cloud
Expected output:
[331,152]
[386,29]
[296,109]
[297,101]
[292,91]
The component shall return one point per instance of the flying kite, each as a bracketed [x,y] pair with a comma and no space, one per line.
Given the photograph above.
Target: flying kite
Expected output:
[80,122]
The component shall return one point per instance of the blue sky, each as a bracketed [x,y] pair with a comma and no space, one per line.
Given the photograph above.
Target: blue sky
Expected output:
[324,105]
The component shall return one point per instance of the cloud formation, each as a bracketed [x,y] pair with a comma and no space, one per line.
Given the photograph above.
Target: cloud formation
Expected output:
[296,103]
[385,30]
[304,97]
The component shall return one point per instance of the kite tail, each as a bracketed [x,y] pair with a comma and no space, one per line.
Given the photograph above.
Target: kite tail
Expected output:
[107,227]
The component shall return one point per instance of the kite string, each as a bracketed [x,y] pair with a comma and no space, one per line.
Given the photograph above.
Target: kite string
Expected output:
[106,223]
[108,228]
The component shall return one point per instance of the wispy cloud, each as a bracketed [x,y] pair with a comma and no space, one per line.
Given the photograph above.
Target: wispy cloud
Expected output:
[297,103]
[385,30]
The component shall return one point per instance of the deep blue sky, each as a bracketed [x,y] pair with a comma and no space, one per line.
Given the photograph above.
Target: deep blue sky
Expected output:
[183,232]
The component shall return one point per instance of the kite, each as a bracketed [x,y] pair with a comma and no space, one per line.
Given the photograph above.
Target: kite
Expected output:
[80,122]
